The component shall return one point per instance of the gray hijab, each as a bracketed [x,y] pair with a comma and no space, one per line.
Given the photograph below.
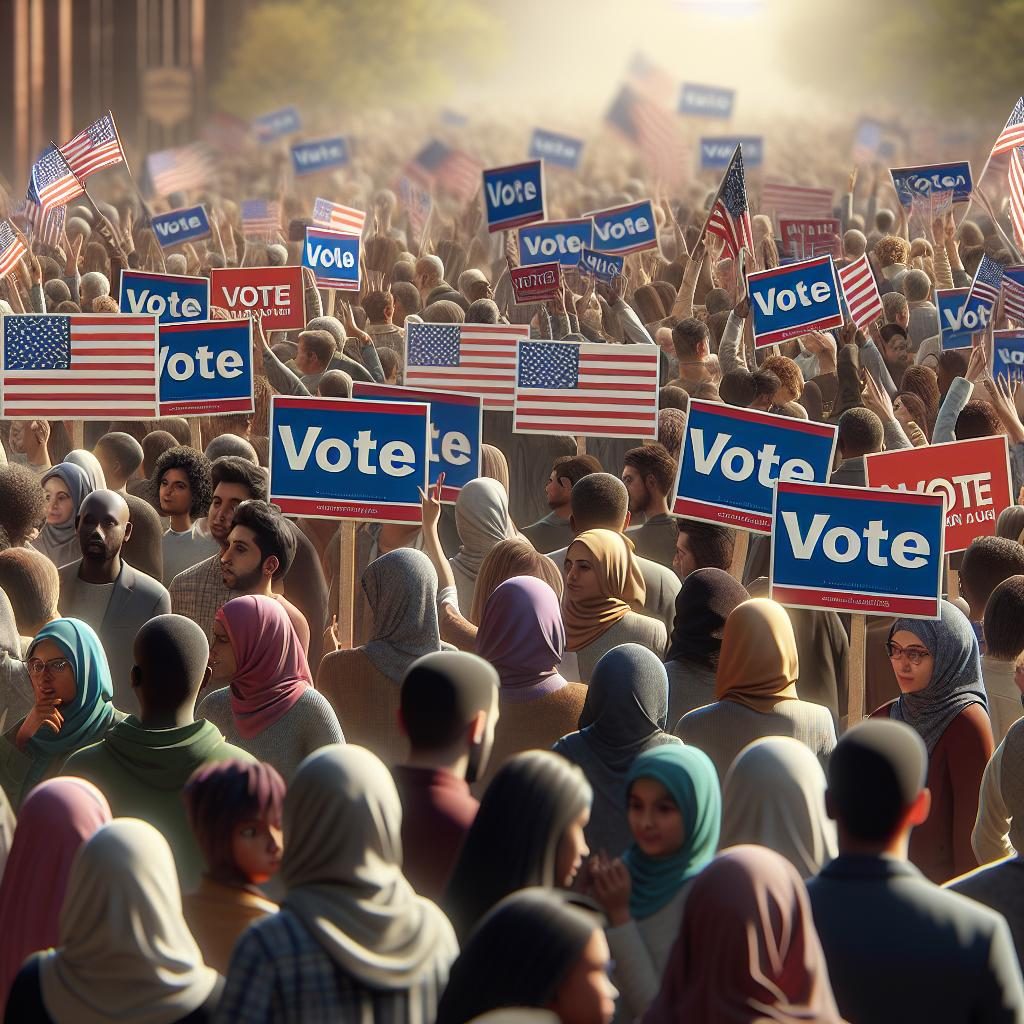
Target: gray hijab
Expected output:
[90,465]
[60,542]
[482,518]
[401,588]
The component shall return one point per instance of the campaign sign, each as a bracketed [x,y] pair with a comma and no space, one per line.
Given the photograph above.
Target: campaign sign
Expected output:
[601,265]
[322,155]
[957,326]
[285,121]
[559,150]
[185,225]
[857,549]
[206,368]
[911,182]
[802,235]
[456,431]
[333,256]
[169,298]
[716,152]
[561,240]
[274,292]
[536,283]
[1015,274]
[973,476]
[791,300]
[1008,354]
[514,195]
[346,458]
[625,229]
[731,459]
[706,101]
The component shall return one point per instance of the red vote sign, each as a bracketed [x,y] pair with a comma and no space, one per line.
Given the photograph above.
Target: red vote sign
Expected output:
[536,283]
[276,292]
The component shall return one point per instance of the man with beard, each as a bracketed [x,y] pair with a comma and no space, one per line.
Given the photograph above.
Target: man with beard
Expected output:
[649,475]
[554,531]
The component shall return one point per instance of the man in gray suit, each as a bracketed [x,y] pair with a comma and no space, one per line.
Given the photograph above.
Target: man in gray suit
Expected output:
[102,589]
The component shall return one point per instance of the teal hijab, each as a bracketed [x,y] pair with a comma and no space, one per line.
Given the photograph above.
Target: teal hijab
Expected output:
[90,714]
[690,778]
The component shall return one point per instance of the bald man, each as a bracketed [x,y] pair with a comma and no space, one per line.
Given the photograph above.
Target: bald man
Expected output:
[101,588]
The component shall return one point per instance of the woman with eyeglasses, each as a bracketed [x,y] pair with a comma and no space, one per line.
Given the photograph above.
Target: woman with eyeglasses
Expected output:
[942,697]
[73,706]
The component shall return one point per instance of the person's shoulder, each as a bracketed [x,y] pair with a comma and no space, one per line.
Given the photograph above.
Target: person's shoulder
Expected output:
[88,762]
[215,700]
[969,725]
[69,572]
[141,582]
[192,574]
[884,711]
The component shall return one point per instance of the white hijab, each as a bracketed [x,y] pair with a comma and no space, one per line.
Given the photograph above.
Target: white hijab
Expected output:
[482,519]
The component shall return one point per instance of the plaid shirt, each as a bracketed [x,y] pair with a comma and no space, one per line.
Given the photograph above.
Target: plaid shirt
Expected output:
[198,592]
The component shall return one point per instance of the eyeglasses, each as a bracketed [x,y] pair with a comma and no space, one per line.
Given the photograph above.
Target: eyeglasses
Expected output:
[915,655]
[36,667]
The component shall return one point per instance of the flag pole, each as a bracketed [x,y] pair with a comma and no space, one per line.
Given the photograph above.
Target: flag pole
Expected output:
[718,194]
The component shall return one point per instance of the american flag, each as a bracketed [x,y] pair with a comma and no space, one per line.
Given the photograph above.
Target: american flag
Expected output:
[796,200]
[417,203]
[260,218]
[337,217]
[95,148]
[652,129]
[47,228]
[1015,177]
[860,291]
[450,169]
[479,359]
[729,218]
[178,170]
[12,248]
[1012,135]
[988,279]
[651,79]
[597,390]
[83,366]
[1013,293]
[52,182]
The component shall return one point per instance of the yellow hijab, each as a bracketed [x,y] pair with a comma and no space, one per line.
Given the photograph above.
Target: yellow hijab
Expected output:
[622,589]
[758,665]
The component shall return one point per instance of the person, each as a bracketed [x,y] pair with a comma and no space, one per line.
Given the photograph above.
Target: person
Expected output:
[1001,666]
[755,690]
[942,697]
[998,833]
[65,487]
[363,685]
[649,473]
[534,949]
[884,927]
[528,831]
[28,442]
[31,582]
[22,505]
[522,636]
[268,706]
[72,708]
[120,457]
[16,695]
[351,940]
[675,809]
[554,530]
[860,433]
[184,488]
[692,344]
[747,950]
[448,712]
[234,809]
[143,763]
[53,822]
[604,595]
[7,825]
[102,589]
[986,563]
[702,546]
[703,604]
[774,796]
[146,552]
[125,952]
[625,714]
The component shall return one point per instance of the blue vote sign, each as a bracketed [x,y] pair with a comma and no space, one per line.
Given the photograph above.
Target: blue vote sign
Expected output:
[456,431]
[171,299]
[333,256]
[514,195]
[206,368]
[858,549]
[716,151]
[601,265]
[322,155]
[555,240]
[556,149]
[277,123]
[707,101]
[791,300]
[1008,354]
[927,178]
[957,326]
[625,229]
[731,459]
[185,225]
[346,458]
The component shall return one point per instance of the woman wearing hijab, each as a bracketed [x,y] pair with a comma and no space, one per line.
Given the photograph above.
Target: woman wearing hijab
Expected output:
[674,809]
[522,636]
[494,466]
[942,698]
[66,487]
[268,707]
[774,796]
[703,603]
[604,594]
[125,952]
[72,709]
[234,809]
[624,715]
[90,465]
[352,941]
[533,950]
[1010,523]
[528,831]
[755,690]
[364,685]
[56,818]
[747,952]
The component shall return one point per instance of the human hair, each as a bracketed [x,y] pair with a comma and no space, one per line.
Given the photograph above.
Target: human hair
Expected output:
[985,564]
[337,383]
[717,300]
[1004,613]
[855,243]
[390,362]
[483,311]
[892,249]
[125,449]
[333,326]
[320,344]
[22,504]
[917,285]
[860,433]
[671,397]
[376,304]
[381,253]
[56,291]
[406,295]
[575,467]
[443,311]
[231,444]
[952,362]
[30,581]
[177,426]
[67,306]
[104,304]
[196,466]
[92,286]
[648,304]
[671,427]
[737,387]
[712,545]
[915,407]
[154,444]
[977,418]
[233,469]
[687,336]
[599,501]
[921,381]
[884,220]
[431,268]
[765,384]
[653,460]
[509,558]
[788,372]
[274,537]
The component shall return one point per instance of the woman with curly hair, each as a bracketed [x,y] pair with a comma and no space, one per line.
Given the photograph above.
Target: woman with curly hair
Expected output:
[184,489]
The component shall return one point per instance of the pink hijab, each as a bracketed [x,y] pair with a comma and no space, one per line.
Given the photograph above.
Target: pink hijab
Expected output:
[55,819]
[271,671]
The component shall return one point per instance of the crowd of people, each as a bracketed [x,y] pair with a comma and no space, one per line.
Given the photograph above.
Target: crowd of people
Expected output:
[576,766]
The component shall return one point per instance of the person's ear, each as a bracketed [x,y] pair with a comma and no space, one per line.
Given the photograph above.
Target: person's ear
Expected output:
[917,813]
[625,522]
[572,523]
[136,677]
[477,728]
[271,565]
[127,531]
[207,676]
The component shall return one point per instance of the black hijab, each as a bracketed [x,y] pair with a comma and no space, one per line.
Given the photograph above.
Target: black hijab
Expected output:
[703,603]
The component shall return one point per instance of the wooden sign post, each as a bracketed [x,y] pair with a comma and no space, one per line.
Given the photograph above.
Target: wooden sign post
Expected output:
[739,555]
[346,582]
[855,676]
